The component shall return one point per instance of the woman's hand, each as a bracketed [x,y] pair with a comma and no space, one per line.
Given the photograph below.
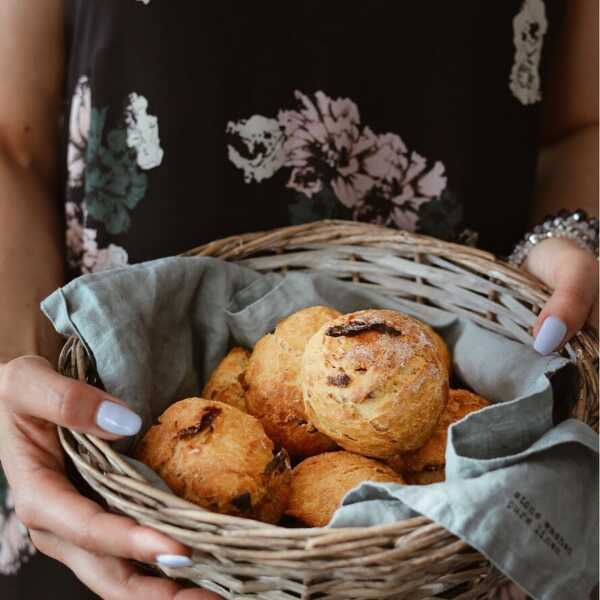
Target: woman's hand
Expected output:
[572,273]
[66,526]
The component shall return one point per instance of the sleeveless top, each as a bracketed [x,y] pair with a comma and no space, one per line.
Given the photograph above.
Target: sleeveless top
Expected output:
[191,121]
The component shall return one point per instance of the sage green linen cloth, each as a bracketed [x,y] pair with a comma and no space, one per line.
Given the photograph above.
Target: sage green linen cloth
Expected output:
[522,486]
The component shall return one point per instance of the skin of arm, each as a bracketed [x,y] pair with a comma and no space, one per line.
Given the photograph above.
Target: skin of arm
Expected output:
[567,174]
[31,240]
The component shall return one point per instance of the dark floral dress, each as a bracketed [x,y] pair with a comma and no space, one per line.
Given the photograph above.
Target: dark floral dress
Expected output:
[186,122]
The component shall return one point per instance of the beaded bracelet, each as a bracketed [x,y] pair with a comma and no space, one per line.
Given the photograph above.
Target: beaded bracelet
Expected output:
[572,225]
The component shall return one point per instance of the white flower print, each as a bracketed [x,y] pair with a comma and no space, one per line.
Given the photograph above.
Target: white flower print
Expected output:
[337,165]
[263,142]
[110,258]
[142,132]
[79,127]
[529,28]
[82,246]
[15,545]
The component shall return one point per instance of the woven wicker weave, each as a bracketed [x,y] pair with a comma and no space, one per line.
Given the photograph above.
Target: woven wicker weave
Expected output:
[414,559]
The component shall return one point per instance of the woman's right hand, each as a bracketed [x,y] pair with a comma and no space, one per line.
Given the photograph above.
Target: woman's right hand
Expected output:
[63,524]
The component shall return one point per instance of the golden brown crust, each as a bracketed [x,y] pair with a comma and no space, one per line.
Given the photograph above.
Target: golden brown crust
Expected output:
[442,349]
[218,457]
[374,382]
[319,484]
[273,388]
[426,477]
[432,455]
[226,382]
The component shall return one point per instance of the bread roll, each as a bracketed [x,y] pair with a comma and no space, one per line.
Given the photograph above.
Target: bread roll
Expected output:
[319,484]
[220,458]
[226,382]
[374,381]
[426,477]
[432,456]
[273,388]
[442,349]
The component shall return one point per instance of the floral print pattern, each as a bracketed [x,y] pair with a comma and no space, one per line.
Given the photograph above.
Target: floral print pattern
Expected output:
[15,545]
[79,127]
[529,27]
[107,167]
[84,253]
[337,166]
[142,133]
[105,182]
[262,141]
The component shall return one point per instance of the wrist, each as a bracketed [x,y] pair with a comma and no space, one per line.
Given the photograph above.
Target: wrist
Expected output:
[554,254]
[574,226]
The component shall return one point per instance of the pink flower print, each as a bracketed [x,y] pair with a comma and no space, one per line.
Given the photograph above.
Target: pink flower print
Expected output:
[434,182]
[83,252]
[418,184]
[402,183]
[388,162]
[404,219]
[15,545]
[325,145]
[82,247]
[305,180]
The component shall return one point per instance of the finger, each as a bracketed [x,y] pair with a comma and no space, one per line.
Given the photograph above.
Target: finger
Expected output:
[197,595]
[573,275]
[47,501]
[593,318]
[575,290]
[113,578]
[29,386]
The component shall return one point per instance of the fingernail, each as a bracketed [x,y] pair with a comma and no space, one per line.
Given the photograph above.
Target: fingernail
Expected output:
[118,419]
[175,561]
[550,335]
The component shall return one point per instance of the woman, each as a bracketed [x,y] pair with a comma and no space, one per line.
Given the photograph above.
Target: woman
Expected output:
[186,122]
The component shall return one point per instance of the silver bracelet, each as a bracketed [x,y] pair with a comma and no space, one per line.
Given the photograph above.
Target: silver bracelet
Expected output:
[572,225]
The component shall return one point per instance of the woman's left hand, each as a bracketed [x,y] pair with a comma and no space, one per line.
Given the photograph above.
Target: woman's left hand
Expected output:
[572,273]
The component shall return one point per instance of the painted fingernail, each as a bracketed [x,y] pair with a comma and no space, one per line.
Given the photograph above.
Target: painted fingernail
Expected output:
[118,419]
[174,561]
[550,335]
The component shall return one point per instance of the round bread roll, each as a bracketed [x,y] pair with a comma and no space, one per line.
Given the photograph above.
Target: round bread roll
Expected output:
[226,382]
[273,388]
[442,349]
[432,456]
[319,484]
[426,477]
[220,458]
[374,382]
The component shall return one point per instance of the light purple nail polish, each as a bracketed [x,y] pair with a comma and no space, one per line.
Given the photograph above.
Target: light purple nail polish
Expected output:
[550,335]
[174,561]
[116,418]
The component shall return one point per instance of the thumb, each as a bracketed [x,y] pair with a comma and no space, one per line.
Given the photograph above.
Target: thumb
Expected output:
[30,387]
[574,278]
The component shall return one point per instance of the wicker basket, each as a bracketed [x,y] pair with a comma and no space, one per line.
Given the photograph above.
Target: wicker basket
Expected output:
[413,559]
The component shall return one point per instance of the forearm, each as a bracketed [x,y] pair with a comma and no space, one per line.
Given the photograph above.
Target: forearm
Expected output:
[567,175]
[31,260]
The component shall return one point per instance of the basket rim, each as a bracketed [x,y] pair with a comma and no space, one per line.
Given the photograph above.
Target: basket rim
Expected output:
[73,360]
[335,229]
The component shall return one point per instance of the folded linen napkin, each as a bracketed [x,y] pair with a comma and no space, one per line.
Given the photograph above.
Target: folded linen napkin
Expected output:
[521,488]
